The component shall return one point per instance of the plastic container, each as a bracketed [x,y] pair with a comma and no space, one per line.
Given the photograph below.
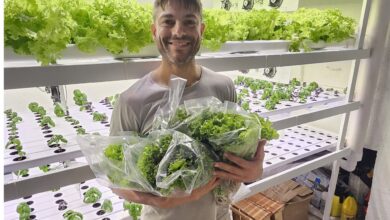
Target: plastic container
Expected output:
[349,209]
[316,201]
[336,207]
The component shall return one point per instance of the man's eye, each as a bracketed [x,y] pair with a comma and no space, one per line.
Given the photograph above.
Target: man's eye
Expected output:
[168,22]
[190,22]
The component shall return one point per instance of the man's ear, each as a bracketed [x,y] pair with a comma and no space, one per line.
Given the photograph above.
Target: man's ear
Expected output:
[153,29]
[202,28]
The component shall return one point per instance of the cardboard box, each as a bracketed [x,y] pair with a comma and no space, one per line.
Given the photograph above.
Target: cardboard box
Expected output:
[257,207]
[295,197]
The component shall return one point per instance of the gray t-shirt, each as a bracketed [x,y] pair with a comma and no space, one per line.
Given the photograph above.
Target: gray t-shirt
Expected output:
[135,110]
[136,107]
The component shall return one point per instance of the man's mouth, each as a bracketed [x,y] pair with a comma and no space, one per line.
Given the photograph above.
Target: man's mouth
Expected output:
[179,43]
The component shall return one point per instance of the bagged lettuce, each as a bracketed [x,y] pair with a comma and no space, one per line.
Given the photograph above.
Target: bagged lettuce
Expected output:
[165,163]
[186,165]
[107,159]
[223,127]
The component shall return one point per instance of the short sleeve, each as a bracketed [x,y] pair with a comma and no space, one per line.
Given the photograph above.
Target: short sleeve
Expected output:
[122,118]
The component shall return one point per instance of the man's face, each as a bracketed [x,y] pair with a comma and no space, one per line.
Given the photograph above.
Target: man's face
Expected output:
[177,32]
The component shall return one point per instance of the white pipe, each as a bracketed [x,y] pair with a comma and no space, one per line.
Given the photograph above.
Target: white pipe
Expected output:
[367,81]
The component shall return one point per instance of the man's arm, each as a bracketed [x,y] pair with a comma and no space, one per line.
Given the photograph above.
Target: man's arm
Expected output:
[166,202]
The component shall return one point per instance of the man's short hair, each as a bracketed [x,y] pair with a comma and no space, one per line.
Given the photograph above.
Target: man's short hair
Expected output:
[195,5]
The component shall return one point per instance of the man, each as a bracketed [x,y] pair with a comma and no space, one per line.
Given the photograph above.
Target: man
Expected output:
[177,31]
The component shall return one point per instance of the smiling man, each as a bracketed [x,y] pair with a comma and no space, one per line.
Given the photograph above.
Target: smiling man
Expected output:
[177,31]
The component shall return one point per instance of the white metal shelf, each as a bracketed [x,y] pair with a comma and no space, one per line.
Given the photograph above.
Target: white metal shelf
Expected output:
[38,153]
[257,105]
[75,173]
[52,205]
[295,143]
[34,141]
[280,177]
[23,74]
[290,119]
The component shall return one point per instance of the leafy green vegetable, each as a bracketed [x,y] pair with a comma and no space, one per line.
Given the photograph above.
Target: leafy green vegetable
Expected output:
[266,93]
[115,25]
[300,26]
[114,152]
[23,172]
[18,147]
[99,116]
[45,168]
[267,131]
[229,132]
[217,22]
[134,209]
[224,130]
[80,99]
[72,121]
[92,195]
[47,121]
[112,99]
[150,158]
[245,91]
[41,111]
[44,28]
[327,25]
[37,27]
[180,115]
[107,205]
[33,106]
[8,112]
[270,104]
[56,139]
[80,131]
[15,141]
[295,82]
[58,111]
[16,120]
[21,153]
[72,215]
[304,93]
[24,211]
[164,165]
[312,86]
[245,105]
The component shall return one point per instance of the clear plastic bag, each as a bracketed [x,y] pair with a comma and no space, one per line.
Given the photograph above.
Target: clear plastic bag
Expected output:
[164,114]
[172,163]
[186,165]
[106,157]
[165,163]
[223,127]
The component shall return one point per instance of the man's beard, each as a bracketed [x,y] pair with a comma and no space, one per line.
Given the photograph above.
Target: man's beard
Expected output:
[163,47]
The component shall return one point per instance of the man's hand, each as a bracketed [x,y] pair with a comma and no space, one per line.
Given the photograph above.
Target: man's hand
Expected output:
[242,170]
[165,202]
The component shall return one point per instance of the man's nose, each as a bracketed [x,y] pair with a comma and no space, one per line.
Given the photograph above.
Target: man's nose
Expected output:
[178,30]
